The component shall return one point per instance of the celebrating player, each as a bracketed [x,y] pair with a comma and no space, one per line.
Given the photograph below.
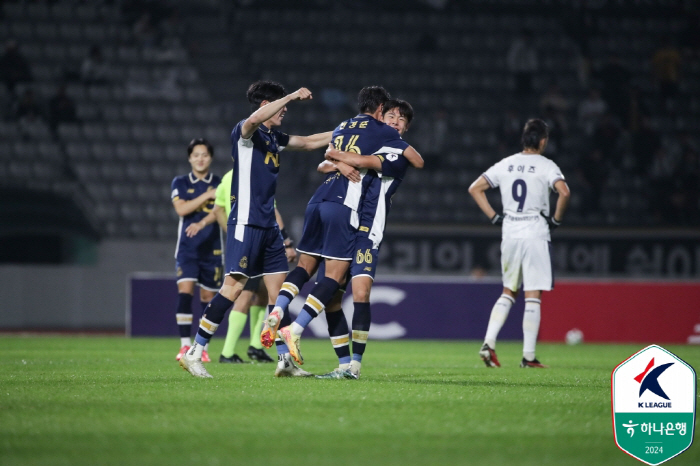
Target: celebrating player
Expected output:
[525,180]
[254,244]
[198,260]
[332,219]
[386,172]
[253,299]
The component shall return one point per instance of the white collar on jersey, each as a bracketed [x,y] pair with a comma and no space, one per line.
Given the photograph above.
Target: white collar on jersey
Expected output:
[206,179]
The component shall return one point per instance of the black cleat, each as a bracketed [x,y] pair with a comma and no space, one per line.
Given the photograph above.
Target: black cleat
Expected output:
[258,355]
[534,363]
[235,359]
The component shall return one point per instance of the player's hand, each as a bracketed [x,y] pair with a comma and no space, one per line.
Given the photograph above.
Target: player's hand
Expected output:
[193,229]
[497,220]
[351,173]
[290,252]
[302,94]
[551,221]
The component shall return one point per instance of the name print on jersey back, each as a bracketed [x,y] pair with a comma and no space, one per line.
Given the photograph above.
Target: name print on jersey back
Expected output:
[525,182]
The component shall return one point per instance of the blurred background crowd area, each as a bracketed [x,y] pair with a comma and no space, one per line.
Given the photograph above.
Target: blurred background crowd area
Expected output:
[99,99]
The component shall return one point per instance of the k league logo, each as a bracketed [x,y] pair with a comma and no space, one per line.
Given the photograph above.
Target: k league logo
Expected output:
[653,405]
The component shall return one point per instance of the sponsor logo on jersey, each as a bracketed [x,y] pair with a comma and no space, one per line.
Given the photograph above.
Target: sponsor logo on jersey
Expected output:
[190,191]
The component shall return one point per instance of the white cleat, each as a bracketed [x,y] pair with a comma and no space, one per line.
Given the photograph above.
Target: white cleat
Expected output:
[194,366]
[287,368]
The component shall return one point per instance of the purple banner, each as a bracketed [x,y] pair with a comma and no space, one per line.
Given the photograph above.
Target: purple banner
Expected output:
[401,308]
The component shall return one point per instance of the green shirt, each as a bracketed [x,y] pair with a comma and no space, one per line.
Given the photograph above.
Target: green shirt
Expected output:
[223,192]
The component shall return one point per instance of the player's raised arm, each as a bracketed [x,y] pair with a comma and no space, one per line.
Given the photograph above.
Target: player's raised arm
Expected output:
[346,170]
[268,110]
[478,192]
[307,143]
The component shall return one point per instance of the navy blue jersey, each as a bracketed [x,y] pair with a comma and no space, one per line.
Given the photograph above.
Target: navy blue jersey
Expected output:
[381,187]
[362,135]
[255,167]
[208,241]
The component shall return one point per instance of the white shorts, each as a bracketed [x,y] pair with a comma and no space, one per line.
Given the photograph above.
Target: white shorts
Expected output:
[527,262]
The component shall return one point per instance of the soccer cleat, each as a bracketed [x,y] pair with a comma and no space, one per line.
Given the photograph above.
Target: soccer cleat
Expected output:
[183,350]
[258,355]
[338,374]
[205,356]
[355,368]
[293,342]
[488,355]
[269,331]
[235,359]
[534,363]
[194,366]
[287,368]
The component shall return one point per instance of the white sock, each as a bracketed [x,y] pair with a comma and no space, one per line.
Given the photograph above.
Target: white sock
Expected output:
[297,329]
[499,314]
[185,341]
[196,350]
[531,327]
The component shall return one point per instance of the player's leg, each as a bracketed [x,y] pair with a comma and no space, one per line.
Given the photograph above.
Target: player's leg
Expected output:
[537,277]
[236,323]
[244,247]
[183,314]
[310,247]
[361,320]
[340,339]
[210,281]
[258,309]
[512,278]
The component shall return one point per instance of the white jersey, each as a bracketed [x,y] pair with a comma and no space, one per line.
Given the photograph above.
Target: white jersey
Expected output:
[525,181]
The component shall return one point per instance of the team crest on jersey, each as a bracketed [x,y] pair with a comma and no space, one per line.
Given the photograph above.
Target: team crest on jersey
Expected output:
[179,272]
[243,263]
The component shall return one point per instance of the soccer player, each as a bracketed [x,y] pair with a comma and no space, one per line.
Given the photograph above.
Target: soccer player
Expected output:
[254,243]
[386,172]
[525,180]
[253,299]
[198,260]
[332,218]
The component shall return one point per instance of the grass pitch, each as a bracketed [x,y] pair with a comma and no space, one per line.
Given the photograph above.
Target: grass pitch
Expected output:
[116,401]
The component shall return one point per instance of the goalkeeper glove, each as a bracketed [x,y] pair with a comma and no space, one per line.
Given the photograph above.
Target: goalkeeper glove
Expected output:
[497,220]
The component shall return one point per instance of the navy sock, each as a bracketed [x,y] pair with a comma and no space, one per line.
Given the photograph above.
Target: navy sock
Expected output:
[214,313]
[339,333]
[184,314]
[321,294]
[361,321]
[291,286]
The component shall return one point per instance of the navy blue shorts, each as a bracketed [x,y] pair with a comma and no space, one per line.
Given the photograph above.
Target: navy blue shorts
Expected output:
[207,273]
[252,251]
[364,263]
[327,231]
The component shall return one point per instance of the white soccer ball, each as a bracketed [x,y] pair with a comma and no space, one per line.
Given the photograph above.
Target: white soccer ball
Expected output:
[574,337]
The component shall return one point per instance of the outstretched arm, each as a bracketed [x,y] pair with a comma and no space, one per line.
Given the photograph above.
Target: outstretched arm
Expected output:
[306,143]
[414,158]
[478,192]
[266,112]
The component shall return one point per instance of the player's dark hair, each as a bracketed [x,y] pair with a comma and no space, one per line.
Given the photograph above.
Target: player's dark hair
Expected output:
[405,109]
[264,90]
[535,130]
[197,142]
[371,97]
